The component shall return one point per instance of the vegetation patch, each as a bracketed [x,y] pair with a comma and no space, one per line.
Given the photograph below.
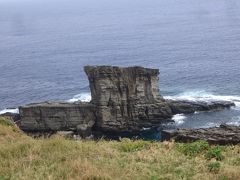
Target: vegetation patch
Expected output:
[214,152]
[193,149]
[128,145]
[6,122]
[56,158]
[201,148]
[236,162]
[214,167]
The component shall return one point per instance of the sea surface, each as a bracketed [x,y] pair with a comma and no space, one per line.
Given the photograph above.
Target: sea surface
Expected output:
[44,45]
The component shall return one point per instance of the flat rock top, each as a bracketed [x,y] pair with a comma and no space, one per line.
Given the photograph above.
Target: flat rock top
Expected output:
[58,104]
[225,134]
[120,70]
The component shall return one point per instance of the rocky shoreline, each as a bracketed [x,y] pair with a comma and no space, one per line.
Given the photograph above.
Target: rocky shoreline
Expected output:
[222,135]
[123,100]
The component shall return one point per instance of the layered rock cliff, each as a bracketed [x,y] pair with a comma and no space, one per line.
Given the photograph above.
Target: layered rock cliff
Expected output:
[127,99]
[50,116]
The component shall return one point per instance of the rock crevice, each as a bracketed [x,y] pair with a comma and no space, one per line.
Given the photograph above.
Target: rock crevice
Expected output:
[126,98]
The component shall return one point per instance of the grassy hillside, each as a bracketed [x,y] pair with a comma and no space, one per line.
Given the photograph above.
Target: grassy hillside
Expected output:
[22,157]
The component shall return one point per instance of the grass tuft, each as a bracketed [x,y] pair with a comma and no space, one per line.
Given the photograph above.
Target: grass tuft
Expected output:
[6,122]
[128,145]
[214,152]
[193,149]
[214,167]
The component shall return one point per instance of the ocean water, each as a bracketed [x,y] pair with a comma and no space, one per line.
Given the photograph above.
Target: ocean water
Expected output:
[44,45]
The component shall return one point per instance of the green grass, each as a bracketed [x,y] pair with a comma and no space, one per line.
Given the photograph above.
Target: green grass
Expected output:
[6,122]
[22,157]
[214,167]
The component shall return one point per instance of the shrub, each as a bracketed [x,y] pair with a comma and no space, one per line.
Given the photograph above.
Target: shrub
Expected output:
[214,167]
[214,152]
[194,148]
[128,145]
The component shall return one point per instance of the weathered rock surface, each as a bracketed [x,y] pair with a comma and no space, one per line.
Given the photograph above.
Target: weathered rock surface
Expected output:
[223,135]
[123,100]
[186,107]
[127,99]
[57,116]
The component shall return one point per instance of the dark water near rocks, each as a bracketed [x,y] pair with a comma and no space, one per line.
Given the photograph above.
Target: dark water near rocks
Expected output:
[44,45]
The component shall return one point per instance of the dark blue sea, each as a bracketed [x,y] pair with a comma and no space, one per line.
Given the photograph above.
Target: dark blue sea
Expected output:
[44,45]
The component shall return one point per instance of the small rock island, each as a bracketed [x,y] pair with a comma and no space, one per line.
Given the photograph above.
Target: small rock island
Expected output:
[123,100]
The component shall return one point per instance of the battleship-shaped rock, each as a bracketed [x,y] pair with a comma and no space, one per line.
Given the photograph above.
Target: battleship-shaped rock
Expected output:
[123,99]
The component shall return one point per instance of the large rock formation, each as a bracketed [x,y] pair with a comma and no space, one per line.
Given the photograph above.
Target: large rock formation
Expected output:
[123,99]
[222,135]
[127,99]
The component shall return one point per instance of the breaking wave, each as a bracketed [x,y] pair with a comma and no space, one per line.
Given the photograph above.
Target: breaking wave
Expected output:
[235,121]
[179,118]
[9,111]
[83,97]
[211,124]
[206,97]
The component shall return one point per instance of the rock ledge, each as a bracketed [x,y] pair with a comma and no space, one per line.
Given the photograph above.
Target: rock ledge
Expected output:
[223,135]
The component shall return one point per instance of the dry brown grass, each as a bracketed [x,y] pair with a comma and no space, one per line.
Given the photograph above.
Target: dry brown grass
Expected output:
[22,157]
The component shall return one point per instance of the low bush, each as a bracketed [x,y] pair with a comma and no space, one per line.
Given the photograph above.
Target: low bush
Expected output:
[214,152]
[128,145]
[214,167]
[194,148]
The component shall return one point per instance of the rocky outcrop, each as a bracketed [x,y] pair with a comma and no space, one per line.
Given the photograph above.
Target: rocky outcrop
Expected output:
[223,135]
[57,117]
[187,107]
[127,99]
[123,100]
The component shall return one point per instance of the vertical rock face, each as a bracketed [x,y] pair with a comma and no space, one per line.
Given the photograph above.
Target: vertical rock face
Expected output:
[126,98]
[56,116]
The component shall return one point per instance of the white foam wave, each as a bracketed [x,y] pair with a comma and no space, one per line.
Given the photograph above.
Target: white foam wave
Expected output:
[211,124]
[179,118]
[83,97]
[145,129]
[9,111]
[206,97]
[235,121]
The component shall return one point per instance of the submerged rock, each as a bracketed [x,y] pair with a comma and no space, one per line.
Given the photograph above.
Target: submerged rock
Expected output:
[223,135]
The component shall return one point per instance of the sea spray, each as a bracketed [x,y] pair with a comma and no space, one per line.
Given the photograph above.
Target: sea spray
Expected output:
[179,119]
[205,97]
[82,97]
